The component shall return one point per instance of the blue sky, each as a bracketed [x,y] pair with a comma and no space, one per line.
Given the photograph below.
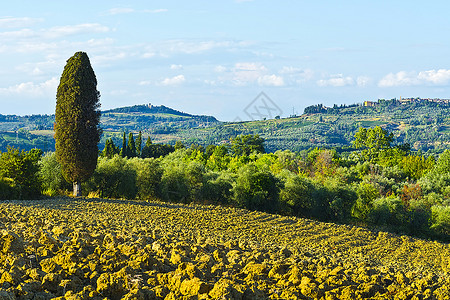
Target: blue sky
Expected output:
[215,57]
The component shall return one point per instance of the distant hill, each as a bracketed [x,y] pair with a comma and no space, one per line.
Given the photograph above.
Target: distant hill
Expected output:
[36,131]
[422,123]
[147,109]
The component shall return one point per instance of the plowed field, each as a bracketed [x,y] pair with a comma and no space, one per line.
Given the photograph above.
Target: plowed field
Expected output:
[97,249]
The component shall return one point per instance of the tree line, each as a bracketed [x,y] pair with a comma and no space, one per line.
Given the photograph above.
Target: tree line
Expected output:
[379,184]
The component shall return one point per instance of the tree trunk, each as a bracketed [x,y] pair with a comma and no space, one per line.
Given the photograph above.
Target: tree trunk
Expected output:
[77,189]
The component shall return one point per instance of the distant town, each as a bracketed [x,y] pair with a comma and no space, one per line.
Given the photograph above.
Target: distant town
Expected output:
[410,100]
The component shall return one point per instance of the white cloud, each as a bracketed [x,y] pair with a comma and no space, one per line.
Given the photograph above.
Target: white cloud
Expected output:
[439,77]
[166,48]
[18,34]
[108,57]
[120,10]
[290,70]
[155,11]
[248,72]
[403,78]
[296,75]
[52,33]
[271,80]
[148,54]
[336,81]
[363,81]
[145,82]
[173,80]
[220,69]
[10,22]
[118,92]
[176,67]
[398,79]
[31,89]
[62,31]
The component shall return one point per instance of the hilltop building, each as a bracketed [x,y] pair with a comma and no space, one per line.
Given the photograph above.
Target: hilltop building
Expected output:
[370,103]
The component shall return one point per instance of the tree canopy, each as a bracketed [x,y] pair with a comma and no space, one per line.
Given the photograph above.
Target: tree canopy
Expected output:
[247,144]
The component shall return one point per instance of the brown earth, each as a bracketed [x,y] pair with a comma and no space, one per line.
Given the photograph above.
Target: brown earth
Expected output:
[97,249]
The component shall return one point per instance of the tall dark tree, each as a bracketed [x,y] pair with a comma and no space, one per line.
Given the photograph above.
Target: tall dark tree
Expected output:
[77,119]
[110,149]
[146,149]
[131,146]
[139,144]
[124,150]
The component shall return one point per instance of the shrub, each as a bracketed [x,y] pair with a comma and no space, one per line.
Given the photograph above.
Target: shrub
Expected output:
[22,168]
[148,177]
[8,189]
[367,193]
[340,199]
[296,194]
[256,189]
[113,178]
[440,221]
[175,184]
[51,175]
[217,188]
[194,173]
[388,211]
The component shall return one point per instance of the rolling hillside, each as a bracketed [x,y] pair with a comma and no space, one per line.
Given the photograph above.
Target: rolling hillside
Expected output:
[28,132]
[425,125]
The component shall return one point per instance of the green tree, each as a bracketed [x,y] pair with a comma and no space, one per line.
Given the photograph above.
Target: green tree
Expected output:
[50,175]
[256,189]
[139,144]
[22,167]
[179,145]
[372,141]
[124,150]
[247,144]
[77,129]
[110,149]
[146,147]
[373,138]
[131,148]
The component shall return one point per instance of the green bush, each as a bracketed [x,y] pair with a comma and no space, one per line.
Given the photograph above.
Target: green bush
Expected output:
[195,175]
[217,188]
[391,214]
[175,184]
[388,212]
[256,189]
[50,174]
[440,221]
[22,168]
[8,189]
[113,178]
[148,177]
[340,200]
[296,195]
[367,193]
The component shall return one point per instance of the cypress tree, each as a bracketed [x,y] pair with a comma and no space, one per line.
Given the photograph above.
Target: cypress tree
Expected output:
[131,146]
[146,150]
[124,150]
[77,119]
[110,149]
[139,144]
